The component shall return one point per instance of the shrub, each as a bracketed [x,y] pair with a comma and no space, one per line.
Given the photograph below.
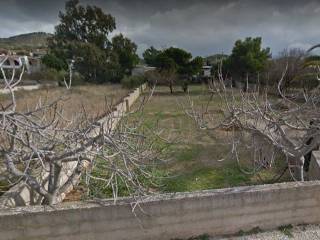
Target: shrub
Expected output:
[133,81]
[45,75]
[185,85]
[152,77]
[77,79]
[51,61]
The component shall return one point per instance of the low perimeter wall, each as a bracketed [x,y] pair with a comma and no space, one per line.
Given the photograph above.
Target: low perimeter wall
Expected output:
[217,212]
[22,195]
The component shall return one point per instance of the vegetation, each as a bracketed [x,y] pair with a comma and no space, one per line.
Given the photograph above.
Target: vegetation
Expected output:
[286,230]
[174,65]
[50,74]
[194,156]
[94,100]
[125,50]
[133,81]
[53,62]
[248,57]
[201,237]
[150,56]
[83,35]
[215,59]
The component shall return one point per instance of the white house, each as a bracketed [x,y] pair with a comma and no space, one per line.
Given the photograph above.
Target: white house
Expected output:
[14,61]
[139,70]
[206,71]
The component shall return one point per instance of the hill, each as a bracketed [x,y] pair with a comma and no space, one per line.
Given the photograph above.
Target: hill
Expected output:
[25,41]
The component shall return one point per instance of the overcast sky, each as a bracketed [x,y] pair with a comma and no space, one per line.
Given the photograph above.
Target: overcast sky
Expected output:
[202,27]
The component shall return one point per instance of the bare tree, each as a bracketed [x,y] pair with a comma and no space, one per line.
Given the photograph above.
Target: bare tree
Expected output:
[167,77]
[47,153]
[265,125]
[294,58]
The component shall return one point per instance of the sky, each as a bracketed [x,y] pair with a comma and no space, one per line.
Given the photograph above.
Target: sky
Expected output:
[202,27]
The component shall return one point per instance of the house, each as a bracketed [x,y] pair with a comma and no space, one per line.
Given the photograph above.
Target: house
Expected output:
[13,61]
[140,70]
[32,64]
[206,71]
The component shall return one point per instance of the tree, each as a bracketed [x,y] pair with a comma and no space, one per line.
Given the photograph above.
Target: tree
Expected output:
[91,61]
[313,60]
[84,24]
[44,153]
[80,30]
[51,61]
[126,50]
[150,55]
[82,33]
[291,57]
[177,64]
[167,69]
[180,57]
[311,67]
[248,57]
[194,67]
[271,129]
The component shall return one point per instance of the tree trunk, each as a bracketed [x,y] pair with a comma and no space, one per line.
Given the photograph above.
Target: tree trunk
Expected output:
[297,169]
[247,82]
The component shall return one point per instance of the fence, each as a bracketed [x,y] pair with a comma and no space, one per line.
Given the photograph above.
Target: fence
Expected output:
[216,212]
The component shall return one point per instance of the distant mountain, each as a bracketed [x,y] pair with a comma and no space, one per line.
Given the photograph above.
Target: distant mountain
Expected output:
[25,41]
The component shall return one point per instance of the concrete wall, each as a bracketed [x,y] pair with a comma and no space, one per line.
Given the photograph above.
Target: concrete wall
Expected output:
[22,195]
[314,168]
[217,212]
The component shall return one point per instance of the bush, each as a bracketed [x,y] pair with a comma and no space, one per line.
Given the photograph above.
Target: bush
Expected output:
[185,84]
[133,81]
[51,61]
[77,79]
[152,77]
[46,75]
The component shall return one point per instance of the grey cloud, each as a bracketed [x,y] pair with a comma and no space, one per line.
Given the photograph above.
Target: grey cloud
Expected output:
[202,27]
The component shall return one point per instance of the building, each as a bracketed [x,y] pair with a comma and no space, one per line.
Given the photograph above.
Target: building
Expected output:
[140,70]
[13,61]
[32,64]
[206,71]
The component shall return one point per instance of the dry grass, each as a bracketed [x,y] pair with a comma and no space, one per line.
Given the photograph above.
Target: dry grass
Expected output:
[95,100]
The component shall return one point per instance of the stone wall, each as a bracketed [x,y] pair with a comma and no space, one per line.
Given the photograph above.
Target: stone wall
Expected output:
[22,195]
[216,212]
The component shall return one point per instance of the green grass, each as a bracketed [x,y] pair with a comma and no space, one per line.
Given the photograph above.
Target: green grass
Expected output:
[195,159]
[254,230]
[286,230]
[188,153]
[194,154]
[205,178]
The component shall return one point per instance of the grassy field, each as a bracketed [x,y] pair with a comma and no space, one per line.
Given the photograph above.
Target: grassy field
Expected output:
[194,155]
[94,99]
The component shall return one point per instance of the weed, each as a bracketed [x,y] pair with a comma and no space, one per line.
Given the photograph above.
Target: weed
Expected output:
[201,237]
[286,230]
[254,230]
